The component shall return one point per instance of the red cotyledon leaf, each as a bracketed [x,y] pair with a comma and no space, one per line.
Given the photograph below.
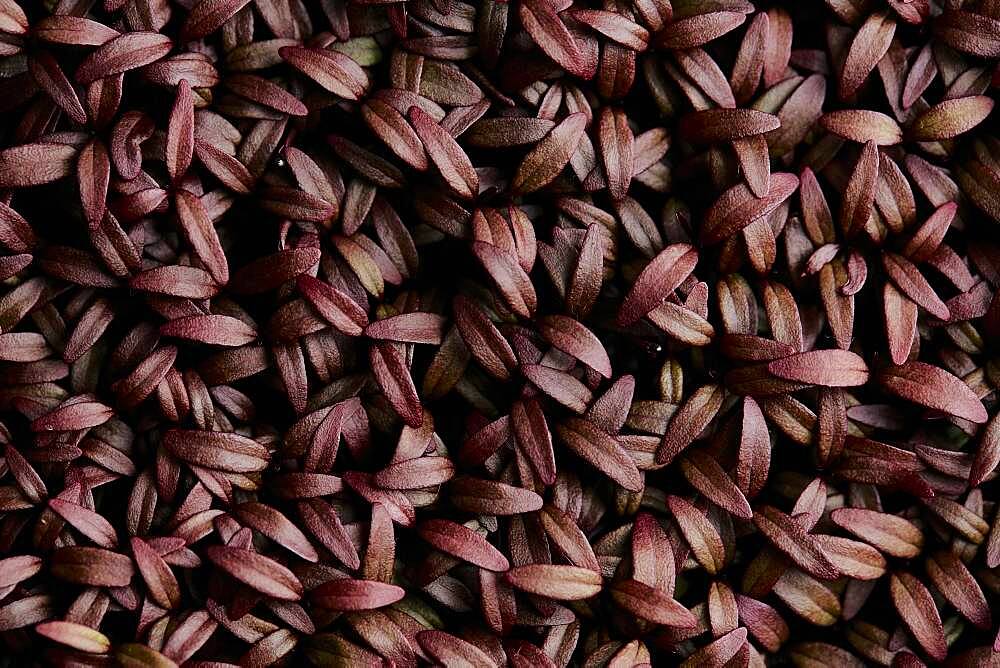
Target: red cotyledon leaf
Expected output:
[911,282]
[77,636]
[416,473]
[722,125]
[788,536]
[93,171]
[201,234]
[123,53]
[869,45]
[446,154]
[862,126]
[692,31]
[512,281]
[651,604]
[277,527]
[738,207]
[35,164]
[208,16]
[829,368]
[705,475]
[551,35]
[533,438]
[464,543]
[543,164]
[264,92]
[657,281]
[572,337]
[346,594]
[617,144]
[217,450]
[933,387]
[180,133]
[448,650]
[915,606]
[159,579]
[951,118]
[895,536]
[704,540]
[336,72]
[477,495]
[558,582]
[601,451]
[257,571]
[222,330]
[414,327]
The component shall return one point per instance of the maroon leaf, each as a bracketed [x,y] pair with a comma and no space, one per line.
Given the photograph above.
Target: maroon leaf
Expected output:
[916,606]
[208,16]
[176,281]
[859,196]
[392,128]
[350,595]
[160,580]
[935,388]
[617,147]
[830,368]
[257,571]
[446,154]
[510,279]
[951,118]
[76,636]
[91,566]
[657,281]
[720,125]
[688,422]
[477,495]
[201,234]
[180,133]
[951,577]
[908,279]
[408,328]
[788,536]
[534,439]
[651,604]
[331,69]
[558,582]
[266,93]
[271,271]
[35,164]
[277,527]
[50,77]
[601,451]
[217,450]
[123,53]
[870,43]
[703,539]
[86,521]
[220,330]
[574,339]
[551,35]
[388,364]
[738,207]
[692,31]
[464,543]
[446,649]
[893,535]
[336,307]
[542,165]
[862,126]
[705,475]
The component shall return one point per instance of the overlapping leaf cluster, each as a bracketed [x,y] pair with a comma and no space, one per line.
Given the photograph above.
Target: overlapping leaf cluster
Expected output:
[540,333]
